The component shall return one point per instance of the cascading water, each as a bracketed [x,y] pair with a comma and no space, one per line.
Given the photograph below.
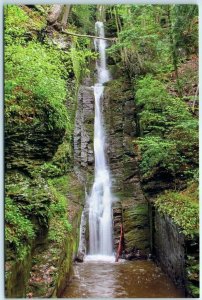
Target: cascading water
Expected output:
[100,200]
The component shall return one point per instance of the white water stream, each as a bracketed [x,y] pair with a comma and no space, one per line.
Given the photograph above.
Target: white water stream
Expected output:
[100,200]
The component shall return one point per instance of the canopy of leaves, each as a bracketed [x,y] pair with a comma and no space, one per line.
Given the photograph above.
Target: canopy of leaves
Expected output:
[83,16]
[150,35]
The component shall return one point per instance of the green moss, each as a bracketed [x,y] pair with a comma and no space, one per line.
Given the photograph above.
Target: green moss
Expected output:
[137,238]
[183,208]
[17,274]
[63,155]
[118,90]
[65,267]
[19,230]
[137,209]
[58,211]
[136,227]
[28,199]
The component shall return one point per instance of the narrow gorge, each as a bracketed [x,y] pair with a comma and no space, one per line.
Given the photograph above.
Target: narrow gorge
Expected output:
[101,151]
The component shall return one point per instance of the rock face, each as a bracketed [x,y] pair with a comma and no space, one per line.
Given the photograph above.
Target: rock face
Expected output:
[169,248]
[130,207]
[36,150]
[28,144]
[17,276]
[178,256]
[82,239]
[83,132]
[53,260]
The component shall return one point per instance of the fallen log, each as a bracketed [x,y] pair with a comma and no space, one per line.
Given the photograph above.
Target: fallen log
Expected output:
[89,36]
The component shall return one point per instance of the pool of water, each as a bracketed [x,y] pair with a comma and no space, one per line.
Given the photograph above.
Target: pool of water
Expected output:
[99,277]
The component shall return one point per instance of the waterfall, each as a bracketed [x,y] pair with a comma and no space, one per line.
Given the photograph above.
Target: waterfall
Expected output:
[100,200]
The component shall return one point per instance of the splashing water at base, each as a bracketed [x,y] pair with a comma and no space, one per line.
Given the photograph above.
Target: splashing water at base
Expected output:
[100,200]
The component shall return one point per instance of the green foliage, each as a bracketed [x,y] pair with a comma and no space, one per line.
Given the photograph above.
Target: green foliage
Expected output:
[151,93]
[84,17]
[22,22]
[61,183]
[158,153]
[195,291]
[141,39]
[81,56]
[15,21]
[19,231]
[64,153]
[169,131]
[192,275]
[33,77]
[154,38]
[59,225]
[182,208]
[49,170]
[79,64]
[32,197]
[185,27]
[158,107]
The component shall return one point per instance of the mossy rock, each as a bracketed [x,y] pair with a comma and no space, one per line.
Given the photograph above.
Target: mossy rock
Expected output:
[16,277]
[138,238]
[27,143]
[136,226]
[119,90]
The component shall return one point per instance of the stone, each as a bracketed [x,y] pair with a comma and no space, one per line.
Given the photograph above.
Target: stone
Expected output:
[119,114]
[80,257]
[169,248]
[119,120]
[83,132]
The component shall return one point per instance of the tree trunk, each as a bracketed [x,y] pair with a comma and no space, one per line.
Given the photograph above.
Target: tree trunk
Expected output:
[65,16]
[117,20]
[101,12]
[174,52]
[54,13]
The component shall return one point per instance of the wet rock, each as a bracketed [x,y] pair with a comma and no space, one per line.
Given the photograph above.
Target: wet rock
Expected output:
[120,114]
[83,132]
[178,256]
[17,276]
[82,240]
[119,120]
[80,257]
[169,248]
[136,255]
[30,144]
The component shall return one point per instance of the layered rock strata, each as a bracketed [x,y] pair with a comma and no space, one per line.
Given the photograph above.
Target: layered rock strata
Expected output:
[130,207]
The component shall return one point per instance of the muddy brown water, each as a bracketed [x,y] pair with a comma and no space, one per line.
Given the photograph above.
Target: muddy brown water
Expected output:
[125,279]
